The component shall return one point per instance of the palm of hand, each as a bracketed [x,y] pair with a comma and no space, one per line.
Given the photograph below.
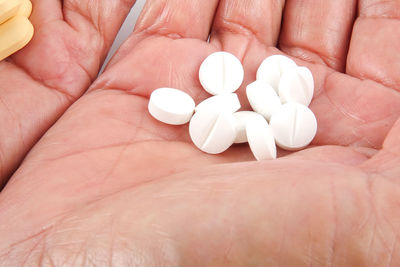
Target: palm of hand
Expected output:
[51,79]
[110,183]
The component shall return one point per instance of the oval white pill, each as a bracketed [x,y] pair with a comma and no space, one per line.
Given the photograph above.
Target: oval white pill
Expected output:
[263,98]
[271,69]
[224,102]
[171,106]
[212,132]
[294,126]
[241,119]
[221,72]
[297,85]
[261,139]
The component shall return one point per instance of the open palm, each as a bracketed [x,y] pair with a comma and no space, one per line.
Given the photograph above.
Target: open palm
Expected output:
[39,83]
[109,185]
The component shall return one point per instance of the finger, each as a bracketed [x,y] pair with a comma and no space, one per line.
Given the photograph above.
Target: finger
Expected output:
[177,18]
[40,12]
[172,19]
[318,31]
[239,23]
[79,31]
[102,17]
[375,43]
[247,29]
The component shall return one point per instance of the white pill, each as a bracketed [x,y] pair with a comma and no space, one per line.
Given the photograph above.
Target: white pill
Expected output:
[241,119]
[297,85]
[224,102]
[171,106]
[261,139]
[221,72]
[294,126]
[271,69]
[263,98]
[212,132]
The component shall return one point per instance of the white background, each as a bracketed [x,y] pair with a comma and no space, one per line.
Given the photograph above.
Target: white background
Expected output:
[126,28]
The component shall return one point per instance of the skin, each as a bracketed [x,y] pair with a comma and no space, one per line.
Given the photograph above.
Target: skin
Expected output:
[109,185]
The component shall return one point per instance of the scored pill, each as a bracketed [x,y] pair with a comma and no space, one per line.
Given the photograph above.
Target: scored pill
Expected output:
[294,126]
[297,85]
[224,102]
[221,72]
[8,9]
[171,106]
[263,98]
[25,8]
[15,33]
[212,132]
[260,138]
[271,69]
[241,119]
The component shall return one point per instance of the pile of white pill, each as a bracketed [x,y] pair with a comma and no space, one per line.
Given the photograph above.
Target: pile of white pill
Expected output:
[279,97]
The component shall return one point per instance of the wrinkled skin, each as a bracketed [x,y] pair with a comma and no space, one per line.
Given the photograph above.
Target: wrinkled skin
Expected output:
[109,185]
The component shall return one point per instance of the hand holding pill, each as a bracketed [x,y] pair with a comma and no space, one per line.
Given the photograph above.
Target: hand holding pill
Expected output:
[15,28]
[215,127]
[101,176]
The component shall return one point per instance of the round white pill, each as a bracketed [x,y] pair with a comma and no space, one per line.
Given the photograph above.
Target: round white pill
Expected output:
[212,132]
[271,69]
[221,72]
[263,98]
[241,119]
[261,139]
[294,126]
[297,85]
[224,102]
[171,106]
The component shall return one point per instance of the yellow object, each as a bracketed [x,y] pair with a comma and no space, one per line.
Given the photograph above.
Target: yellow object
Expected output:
[25,8]
[8,9]
[14,35]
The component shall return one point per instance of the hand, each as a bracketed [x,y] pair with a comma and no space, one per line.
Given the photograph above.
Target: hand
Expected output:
[109,185]
[41,81]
